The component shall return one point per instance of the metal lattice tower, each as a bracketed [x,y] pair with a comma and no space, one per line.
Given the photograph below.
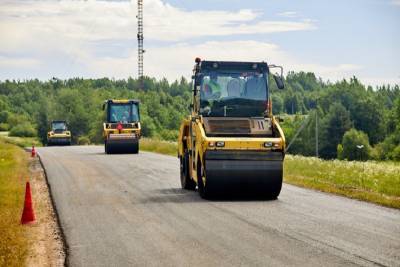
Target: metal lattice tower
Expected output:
[140,42]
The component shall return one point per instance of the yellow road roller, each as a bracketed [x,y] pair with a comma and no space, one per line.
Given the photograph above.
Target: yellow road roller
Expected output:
[122,130]
[59,134]
[231,143]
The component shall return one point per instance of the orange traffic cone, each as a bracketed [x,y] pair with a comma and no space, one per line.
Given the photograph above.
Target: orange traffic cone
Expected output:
[33,152]
[28,214]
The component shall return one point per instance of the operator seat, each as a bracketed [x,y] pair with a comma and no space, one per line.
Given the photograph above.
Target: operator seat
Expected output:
[255,89]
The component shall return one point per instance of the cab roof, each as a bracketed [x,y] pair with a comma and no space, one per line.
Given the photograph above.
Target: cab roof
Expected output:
[233,66]
[122,101]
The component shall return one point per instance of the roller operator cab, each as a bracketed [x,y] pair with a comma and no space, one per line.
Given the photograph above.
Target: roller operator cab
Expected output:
[122,130]
[59,134]
[231,143]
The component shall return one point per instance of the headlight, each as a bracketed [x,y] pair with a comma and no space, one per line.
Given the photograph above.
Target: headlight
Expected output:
[268,144]
[220,144]
[272,145]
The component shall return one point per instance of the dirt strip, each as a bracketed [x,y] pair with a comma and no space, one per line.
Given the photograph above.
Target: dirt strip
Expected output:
[47,247]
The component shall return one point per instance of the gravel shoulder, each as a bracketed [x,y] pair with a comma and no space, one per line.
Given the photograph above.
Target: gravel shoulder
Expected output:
[46,244]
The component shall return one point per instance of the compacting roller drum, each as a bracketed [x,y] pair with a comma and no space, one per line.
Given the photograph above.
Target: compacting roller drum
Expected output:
[231,143]
[122,130]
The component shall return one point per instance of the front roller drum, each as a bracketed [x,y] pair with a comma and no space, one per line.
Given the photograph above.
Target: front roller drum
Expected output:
[242,177]
[121,147]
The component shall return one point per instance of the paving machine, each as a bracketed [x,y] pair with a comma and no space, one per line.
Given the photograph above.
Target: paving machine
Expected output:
[59,134]
[231,143]
[122,129]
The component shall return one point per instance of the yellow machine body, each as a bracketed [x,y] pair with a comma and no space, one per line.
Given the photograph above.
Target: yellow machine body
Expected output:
[222,154]
[121,134]
[59,134]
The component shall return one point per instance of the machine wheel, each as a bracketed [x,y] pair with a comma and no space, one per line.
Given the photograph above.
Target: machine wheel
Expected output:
[106,148]
[204,190]
[186,182]
[136,148]
[275,189]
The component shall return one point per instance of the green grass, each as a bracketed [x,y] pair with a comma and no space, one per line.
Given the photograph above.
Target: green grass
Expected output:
[377,182]
[20,141]
[13,173]
[158,146]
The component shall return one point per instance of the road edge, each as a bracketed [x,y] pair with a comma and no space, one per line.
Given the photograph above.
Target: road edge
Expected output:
[65,246]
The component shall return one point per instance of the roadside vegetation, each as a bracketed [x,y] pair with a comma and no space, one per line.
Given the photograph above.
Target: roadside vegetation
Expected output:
[13,236]
[159,146]
[372,181]
[20,141]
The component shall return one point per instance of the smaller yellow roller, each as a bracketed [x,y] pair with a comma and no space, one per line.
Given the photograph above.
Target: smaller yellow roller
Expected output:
[122,129]
[59,134]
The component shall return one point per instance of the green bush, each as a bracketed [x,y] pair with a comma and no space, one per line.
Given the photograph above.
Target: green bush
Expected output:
[356,145]
[23,130]
[4,116]
[4,127]
[340,151]
[83,140]
[395,154]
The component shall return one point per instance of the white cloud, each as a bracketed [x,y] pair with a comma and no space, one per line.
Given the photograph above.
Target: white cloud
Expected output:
[288,14]
[395,2]
[176,60]
[99,20]
[26,63]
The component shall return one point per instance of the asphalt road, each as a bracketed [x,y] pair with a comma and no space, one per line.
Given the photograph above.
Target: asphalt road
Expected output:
[129,210]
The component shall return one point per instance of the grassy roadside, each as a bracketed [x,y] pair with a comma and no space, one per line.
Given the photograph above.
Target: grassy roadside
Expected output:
[13,236]
[376,182]
[158,146]
[20,141]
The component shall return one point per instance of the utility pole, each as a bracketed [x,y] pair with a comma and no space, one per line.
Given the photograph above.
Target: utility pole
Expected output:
[316,133]
[140,43]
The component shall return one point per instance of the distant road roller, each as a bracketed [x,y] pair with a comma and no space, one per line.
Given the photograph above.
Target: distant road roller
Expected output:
[122,130]
[231,143]
[59,134]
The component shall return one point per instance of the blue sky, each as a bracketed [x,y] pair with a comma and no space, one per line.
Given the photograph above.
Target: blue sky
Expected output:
[334,39]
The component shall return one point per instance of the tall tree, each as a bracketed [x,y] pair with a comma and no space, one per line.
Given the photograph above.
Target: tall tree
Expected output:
[333,126]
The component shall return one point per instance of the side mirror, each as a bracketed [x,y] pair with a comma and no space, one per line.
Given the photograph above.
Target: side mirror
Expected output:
[104,106]
[278,79]
[279,82]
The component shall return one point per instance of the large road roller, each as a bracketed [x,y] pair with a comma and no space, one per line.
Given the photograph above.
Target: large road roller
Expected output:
[231,143]
[59,134]
[122,130]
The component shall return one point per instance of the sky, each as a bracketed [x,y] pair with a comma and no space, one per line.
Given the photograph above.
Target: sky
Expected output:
[334,39]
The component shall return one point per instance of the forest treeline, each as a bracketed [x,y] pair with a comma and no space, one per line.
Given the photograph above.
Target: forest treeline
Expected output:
[349,114]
